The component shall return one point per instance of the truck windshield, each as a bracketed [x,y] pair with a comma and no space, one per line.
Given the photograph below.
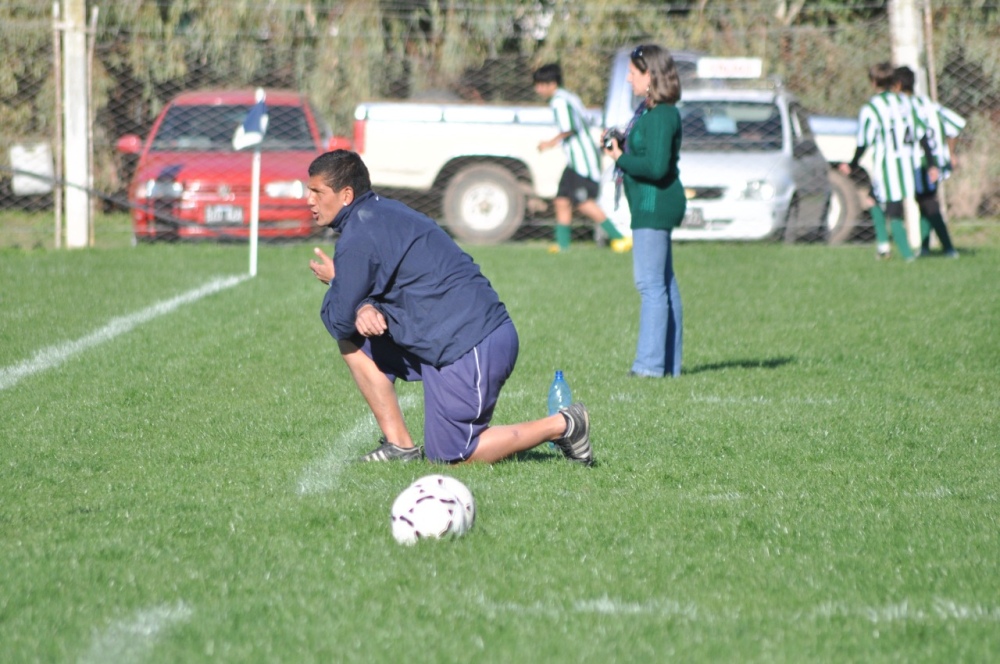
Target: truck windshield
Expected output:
[730,126]
[211,127]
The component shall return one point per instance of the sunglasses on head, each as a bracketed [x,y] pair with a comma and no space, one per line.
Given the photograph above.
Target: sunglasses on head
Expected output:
[638,59]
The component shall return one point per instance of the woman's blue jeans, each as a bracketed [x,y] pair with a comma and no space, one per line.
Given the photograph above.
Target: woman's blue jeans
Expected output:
[658,352]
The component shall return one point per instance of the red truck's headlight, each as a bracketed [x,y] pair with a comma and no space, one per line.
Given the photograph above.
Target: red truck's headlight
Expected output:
[159,189]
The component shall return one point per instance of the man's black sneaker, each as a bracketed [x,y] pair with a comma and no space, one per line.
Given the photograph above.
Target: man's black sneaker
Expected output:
[386,451]
[575,443]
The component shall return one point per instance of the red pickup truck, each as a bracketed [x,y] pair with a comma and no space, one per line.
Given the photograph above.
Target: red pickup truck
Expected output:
[189,182]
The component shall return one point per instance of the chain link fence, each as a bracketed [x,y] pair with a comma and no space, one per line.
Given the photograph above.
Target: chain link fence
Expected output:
[438,98]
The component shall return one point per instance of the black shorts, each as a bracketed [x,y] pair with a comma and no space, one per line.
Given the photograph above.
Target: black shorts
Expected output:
[575,187]
[929,204]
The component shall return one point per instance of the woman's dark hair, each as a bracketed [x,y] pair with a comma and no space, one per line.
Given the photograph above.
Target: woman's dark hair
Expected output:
[342,168]
[664,82]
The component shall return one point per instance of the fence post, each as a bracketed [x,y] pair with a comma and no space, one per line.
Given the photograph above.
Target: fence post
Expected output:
[76,151]
[907,47]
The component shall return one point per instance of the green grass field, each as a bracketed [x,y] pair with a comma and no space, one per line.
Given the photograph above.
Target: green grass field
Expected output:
[822,483]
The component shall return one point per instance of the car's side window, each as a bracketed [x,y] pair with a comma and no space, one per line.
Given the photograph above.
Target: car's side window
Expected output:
[800,122]
[802,137]
[793,115]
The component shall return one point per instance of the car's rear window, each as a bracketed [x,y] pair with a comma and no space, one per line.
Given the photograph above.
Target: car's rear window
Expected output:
[725,125]
[211,127]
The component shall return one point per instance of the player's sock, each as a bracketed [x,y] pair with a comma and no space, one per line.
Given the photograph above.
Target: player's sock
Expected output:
[611,230]
[563,236]
[936,221]
[925,234]
[878,221]
[899,236]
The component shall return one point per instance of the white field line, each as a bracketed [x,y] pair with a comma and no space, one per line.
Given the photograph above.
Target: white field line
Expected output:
[726,497]
[939,611]
[932,494]
[133,639]
[663,608]
[724,400]
[53,356]
[603,606]
[322,475]
[761,400]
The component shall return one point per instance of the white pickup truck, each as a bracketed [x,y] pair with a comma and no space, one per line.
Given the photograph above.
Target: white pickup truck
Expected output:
[479,164]
[479,169]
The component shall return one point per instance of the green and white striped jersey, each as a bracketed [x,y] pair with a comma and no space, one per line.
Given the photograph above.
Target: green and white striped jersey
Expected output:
[581,152]
[940,124]
[888,126]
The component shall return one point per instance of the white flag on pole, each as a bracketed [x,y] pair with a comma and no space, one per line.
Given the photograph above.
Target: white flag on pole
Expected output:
[251,132]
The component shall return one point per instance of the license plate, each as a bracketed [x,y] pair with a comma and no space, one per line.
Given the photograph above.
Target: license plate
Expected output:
[693,218]
[223,214]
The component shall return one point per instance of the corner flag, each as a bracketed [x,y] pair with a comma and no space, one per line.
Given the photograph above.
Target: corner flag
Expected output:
[251,132]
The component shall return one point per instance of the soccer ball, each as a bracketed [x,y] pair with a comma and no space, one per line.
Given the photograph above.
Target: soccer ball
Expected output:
[422,513]
[447,484]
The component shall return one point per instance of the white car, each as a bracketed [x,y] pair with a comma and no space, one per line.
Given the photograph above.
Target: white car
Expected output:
[750,166]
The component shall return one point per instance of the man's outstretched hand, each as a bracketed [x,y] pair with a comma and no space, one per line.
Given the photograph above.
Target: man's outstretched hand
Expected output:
[323,267]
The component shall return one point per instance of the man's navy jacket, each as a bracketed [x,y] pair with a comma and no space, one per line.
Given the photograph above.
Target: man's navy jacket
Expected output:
[436,302]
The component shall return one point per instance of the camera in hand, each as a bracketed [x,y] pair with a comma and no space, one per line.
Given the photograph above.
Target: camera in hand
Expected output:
[612,138]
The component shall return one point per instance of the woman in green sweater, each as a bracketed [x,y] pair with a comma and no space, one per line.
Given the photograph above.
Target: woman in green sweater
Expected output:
[647,165]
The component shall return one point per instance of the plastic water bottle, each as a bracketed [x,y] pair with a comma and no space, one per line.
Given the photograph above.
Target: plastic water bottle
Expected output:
[560,396]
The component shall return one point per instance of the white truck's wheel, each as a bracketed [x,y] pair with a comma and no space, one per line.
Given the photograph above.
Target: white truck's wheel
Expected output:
[483,204]
[793,223]
[845,208]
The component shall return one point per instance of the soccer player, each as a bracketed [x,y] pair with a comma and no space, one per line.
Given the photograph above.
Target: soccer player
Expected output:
[405,302]
[942,127]
[884,126]
[579,183]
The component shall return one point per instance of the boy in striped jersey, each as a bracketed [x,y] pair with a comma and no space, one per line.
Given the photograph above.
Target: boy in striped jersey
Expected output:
[579,183]
[942,127]
[889,131]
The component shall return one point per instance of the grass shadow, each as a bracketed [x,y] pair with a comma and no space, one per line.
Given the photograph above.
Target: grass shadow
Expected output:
[771,363]
[542,453]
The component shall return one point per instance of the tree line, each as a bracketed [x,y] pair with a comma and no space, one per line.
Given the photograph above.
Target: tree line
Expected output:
[345,51]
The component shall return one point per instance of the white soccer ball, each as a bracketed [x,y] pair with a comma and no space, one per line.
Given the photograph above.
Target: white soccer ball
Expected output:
[419,513]
[461,492]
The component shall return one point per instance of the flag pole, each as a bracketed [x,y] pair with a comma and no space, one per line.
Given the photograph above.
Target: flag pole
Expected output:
[255,193]
[254,210]
[251,133]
